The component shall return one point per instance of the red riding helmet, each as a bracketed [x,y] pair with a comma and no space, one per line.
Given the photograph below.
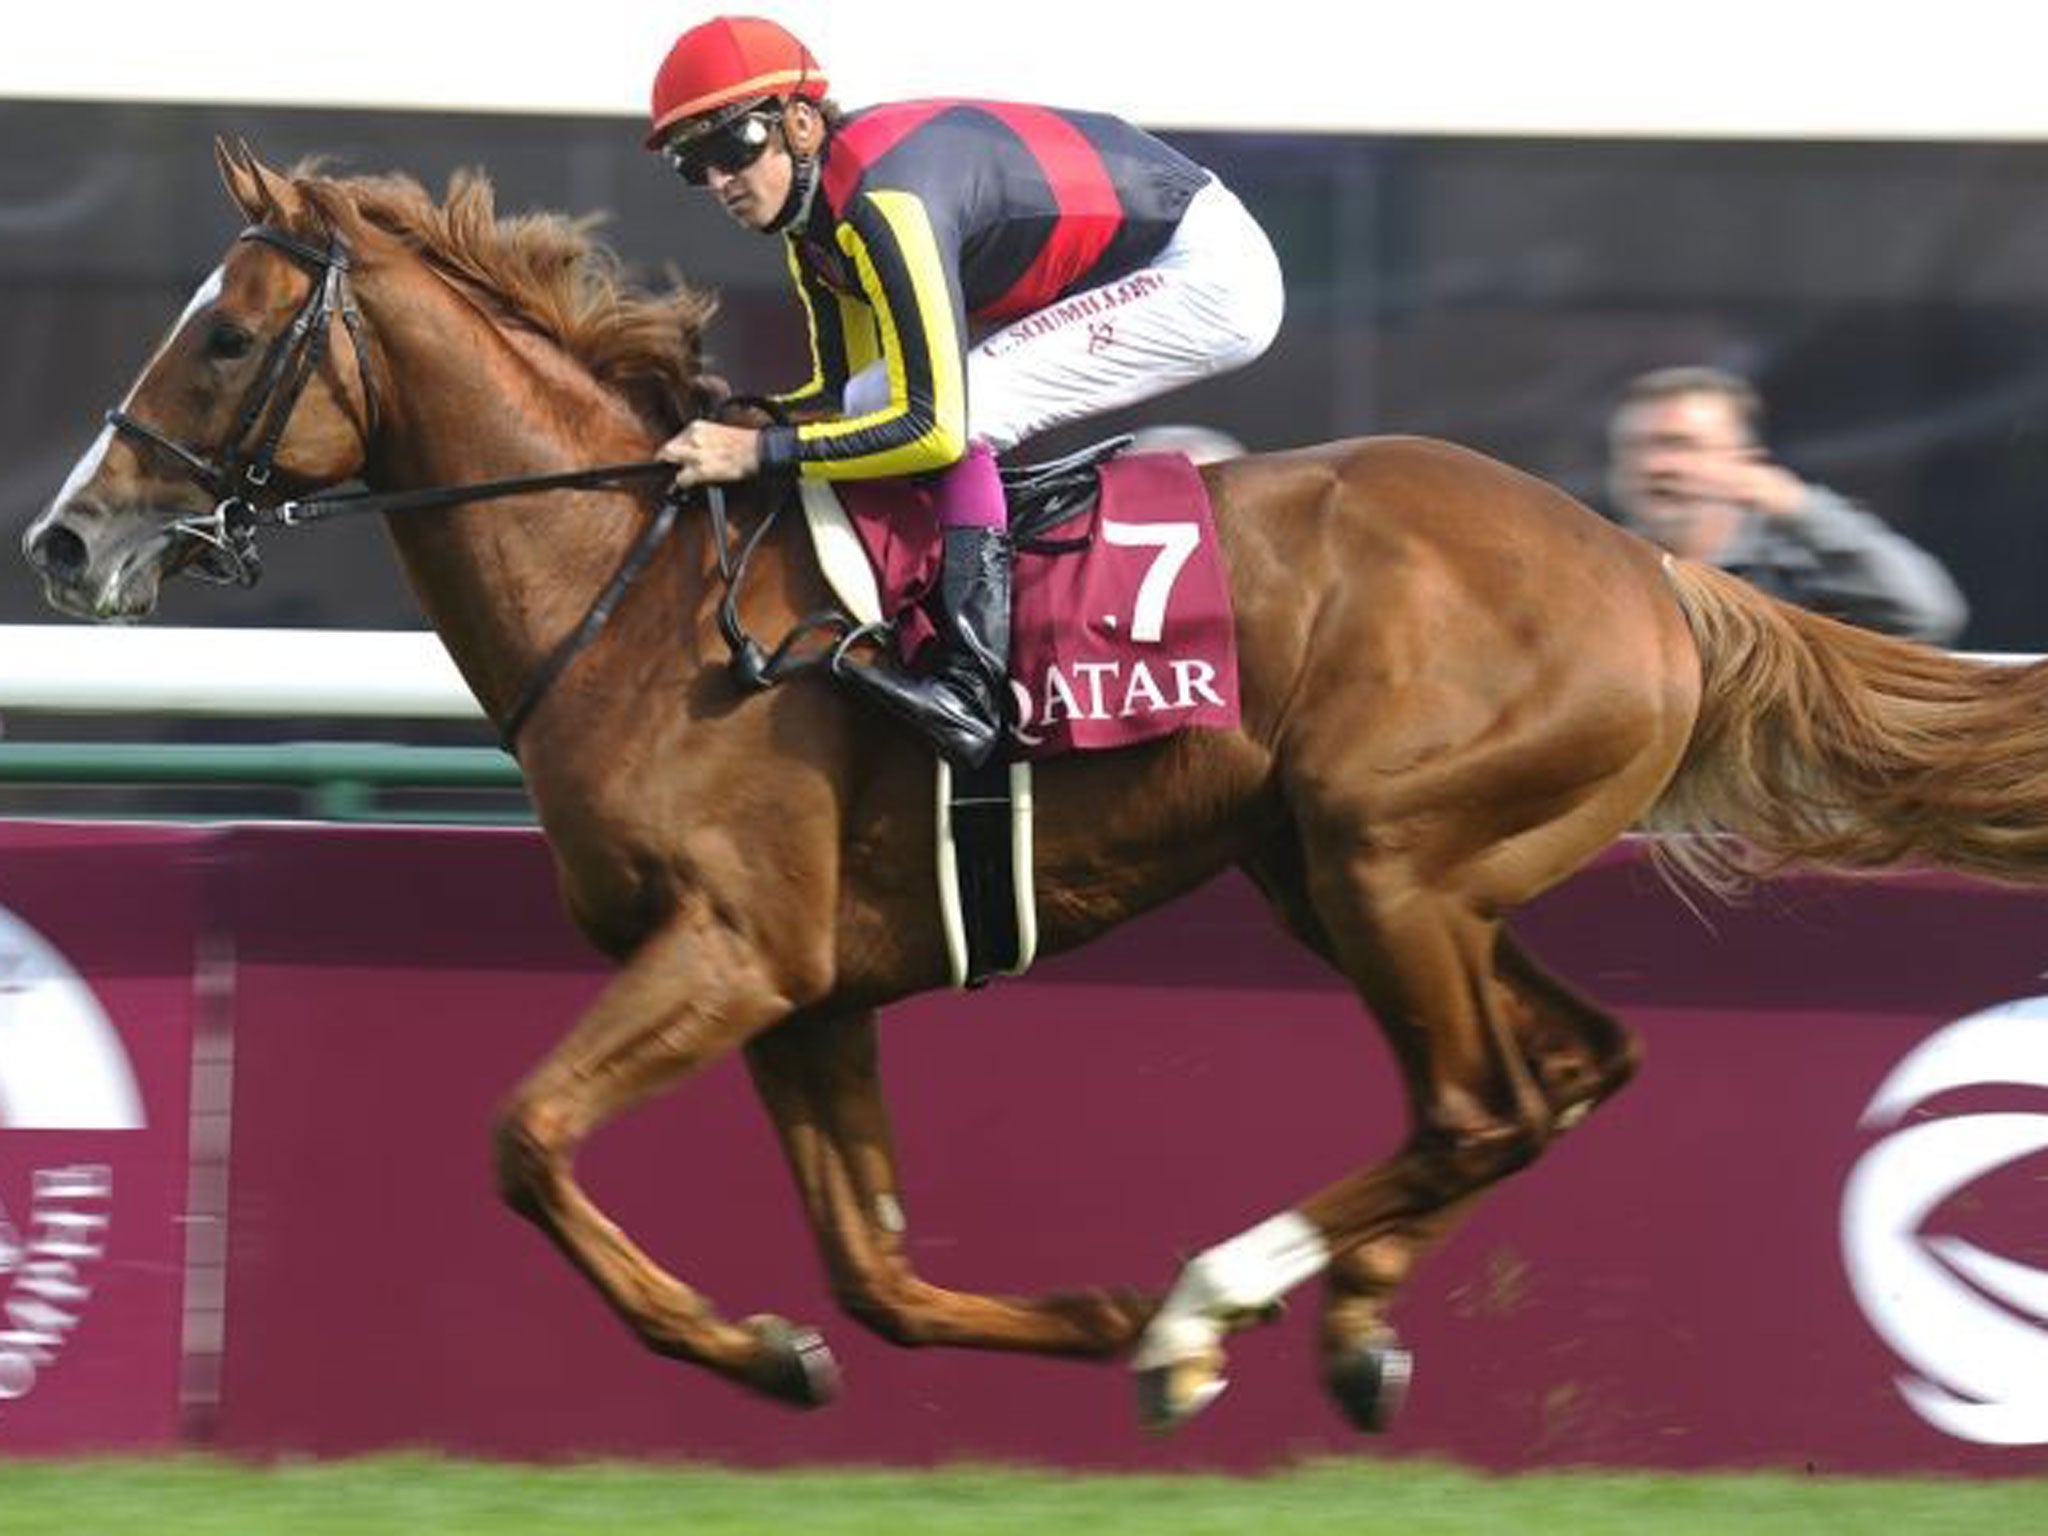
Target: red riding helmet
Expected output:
[727,60]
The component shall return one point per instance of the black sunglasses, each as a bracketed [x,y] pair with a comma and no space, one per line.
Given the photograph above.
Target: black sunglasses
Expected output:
[730,148]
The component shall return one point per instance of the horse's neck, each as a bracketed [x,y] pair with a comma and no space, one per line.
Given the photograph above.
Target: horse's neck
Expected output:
[501,581]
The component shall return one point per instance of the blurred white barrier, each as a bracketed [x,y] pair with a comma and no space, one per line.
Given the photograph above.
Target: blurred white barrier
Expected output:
[83,669]
[86,669]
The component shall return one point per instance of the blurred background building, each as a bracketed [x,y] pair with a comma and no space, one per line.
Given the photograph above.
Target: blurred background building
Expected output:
[1882,279]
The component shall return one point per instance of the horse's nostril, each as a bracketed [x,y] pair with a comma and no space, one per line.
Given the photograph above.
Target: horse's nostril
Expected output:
[58,553]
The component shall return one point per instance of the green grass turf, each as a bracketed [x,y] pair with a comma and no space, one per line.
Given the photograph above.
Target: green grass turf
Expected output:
[417,1496]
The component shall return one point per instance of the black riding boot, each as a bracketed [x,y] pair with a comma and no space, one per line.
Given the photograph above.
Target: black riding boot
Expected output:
[962,703]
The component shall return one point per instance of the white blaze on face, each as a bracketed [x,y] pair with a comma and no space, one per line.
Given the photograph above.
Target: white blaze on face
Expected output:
[81,472]
[89,464]
[204,295]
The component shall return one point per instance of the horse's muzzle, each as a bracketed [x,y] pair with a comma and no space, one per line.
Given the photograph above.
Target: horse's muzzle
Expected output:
[87,575]
[56,553]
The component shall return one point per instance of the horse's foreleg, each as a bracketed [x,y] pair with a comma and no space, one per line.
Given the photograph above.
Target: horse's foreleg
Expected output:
[693,992]
[820,1080]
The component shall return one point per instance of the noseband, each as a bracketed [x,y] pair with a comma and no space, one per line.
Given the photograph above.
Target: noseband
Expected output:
[240,475]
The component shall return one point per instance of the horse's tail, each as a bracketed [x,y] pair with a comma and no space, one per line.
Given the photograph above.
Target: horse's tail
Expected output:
[1820,743]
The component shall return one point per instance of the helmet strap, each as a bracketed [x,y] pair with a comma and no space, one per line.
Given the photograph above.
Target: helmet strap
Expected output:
[803,187]
[803,182]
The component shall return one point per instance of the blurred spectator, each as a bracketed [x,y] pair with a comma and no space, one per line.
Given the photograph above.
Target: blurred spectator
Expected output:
[1687,469]
[1204,445]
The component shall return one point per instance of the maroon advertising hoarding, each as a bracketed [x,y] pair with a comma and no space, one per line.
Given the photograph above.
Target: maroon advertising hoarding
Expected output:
[1809,1236]
[99,936]
[1671,1286]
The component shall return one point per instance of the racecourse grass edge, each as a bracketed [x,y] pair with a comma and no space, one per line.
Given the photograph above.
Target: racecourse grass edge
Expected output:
[431,1496]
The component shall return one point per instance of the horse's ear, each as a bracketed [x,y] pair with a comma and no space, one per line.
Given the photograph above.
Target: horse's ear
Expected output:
[263,195]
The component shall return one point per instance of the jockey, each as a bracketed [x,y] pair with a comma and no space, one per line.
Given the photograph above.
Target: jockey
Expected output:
[972,273]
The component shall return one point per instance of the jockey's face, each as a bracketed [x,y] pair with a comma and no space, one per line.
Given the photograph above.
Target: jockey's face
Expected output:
[755,195]
[748,165]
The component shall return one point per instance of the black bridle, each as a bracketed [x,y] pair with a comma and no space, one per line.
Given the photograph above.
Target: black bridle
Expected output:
[240,475]
[240,478]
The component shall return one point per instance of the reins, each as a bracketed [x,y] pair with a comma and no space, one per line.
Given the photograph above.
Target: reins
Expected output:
[596,616]
[312,509]
[756,668]
[241,518]
[238,477]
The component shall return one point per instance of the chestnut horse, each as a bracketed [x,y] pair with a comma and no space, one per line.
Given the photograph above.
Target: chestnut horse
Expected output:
[1459,686]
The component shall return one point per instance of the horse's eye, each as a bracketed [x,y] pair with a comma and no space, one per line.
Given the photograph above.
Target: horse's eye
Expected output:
[227,341]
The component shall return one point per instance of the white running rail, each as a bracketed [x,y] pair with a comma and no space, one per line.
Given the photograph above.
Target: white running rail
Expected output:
[86,669]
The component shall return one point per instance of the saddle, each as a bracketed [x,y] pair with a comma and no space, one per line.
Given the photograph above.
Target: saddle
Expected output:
[1121,633]
[1045,496]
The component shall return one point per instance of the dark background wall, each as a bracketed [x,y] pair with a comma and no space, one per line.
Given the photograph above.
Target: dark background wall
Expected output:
[1890,299]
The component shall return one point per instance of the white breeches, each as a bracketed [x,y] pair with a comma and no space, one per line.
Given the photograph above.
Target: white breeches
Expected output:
[1209,302]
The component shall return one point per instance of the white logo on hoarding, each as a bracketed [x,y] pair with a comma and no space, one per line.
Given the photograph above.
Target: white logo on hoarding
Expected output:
[46,1296]
[62,1068]
[1973,1325]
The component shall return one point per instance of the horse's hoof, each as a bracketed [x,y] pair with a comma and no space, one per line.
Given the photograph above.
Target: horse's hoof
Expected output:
[800,1369]
[1169,1395]
[1370,1382]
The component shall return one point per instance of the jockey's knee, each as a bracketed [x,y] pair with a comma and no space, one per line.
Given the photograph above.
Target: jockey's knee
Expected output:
[1254,324]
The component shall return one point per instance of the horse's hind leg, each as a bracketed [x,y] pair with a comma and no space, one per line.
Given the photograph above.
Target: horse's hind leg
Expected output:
[1424,960]
[692,993]
[819,1078]
[1579,1056]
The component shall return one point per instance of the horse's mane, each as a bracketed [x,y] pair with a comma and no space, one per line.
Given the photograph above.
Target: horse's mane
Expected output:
[548,273]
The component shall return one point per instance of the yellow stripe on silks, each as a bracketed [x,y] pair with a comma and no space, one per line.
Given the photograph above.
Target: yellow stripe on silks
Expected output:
[947,438]
[815,385]
[857,327]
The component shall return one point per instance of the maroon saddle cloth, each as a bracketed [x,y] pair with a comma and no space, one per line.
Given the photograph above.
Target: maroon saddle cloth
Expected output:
[1121,625]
